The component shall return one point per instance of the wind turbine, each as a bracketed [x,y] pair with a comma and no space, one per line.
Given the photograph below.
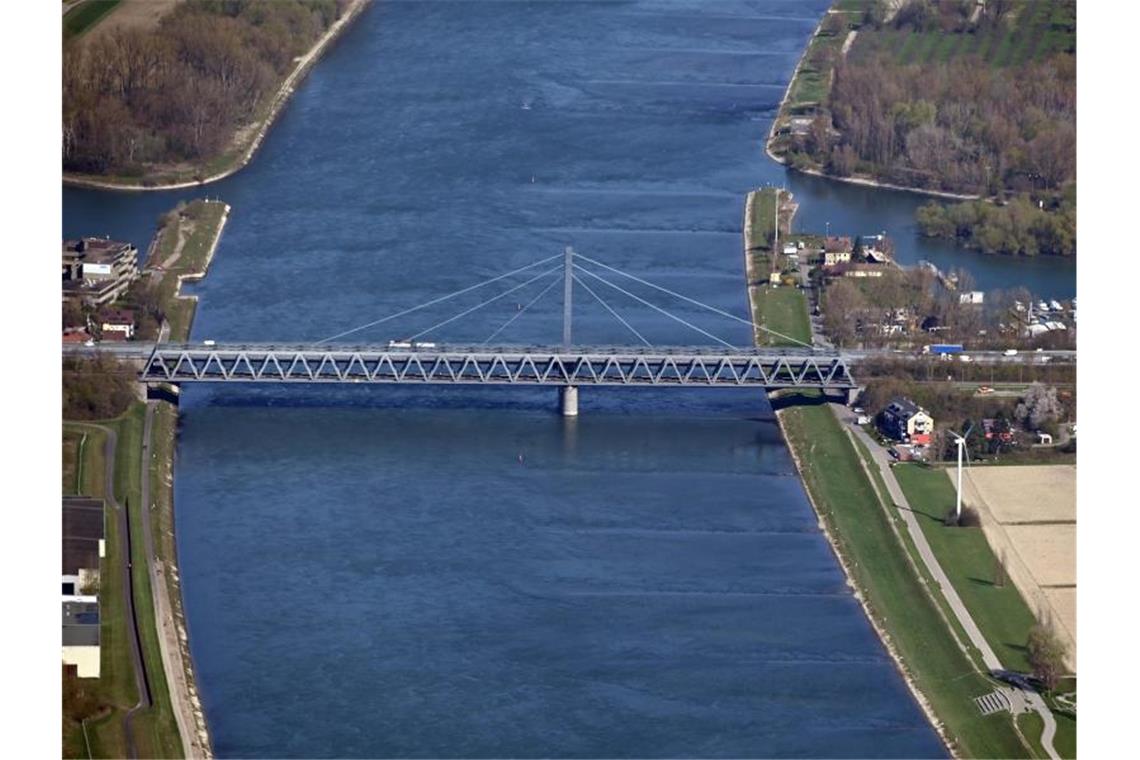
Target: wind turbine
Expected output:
[960,440]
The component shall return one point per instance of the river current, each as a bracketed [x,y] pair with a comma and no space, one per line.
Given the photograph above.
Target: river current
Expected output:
[460,572]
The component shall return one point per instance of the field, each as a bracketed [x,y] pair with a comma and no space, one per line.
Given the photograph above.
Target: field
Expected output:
[156,734]
[1030,514]
[84,16]
[183,248]
[1039,29]
[134,14]
[881,569]
[783,309]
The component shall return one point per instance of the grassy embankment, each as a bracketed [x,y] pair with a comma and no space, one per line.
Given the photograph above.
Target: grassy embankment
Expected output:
[183,251]
[783,309]
[896,592]
[1000,611]
[245,140]
[156,733]
[84,16]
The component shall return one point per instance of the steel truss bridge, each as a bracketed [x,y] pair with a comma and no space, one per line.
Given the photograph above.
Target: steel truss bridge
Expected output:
[411,360]
[506,365]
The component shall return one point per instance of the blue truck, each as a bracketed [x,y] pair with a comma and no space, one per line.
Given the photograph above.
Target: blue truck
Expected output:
[943,349]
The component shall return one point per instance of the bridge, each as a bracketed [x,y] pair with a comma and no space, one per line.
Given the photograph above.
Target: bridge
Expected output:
[413,360]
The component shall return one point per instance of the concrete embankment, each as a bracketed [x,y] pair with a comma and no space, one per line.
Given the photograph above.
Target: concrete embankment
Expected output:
[259,130]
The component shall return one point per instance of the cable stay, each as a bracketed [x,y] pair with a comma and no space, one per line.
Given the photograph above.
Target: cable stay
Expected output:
[605,305]
[488,302]
[441,299]
[521,311]
[691,300]
[656,308]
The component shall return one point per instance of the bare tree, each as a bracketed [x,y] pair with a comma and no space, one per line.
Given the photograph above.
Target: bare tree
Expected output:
[1046,655]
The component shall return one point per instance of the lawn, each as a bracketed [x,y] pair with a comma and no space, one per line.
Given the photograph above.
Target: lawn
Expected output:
[73,445]
[860,525]
[782,310]
[84,16]
[156,734]
[1000,612]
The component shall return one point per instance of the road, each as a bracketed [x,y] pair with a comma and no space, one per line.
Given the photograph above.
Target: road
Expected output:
[884,461]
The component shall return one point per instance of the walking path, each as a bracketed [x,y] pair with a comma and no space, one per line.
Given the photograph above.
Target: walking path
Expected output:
[883,461]
[191,721]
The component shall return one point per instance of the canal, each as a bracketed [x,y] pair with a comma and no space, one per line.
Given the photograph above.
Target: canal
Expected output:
[460,572]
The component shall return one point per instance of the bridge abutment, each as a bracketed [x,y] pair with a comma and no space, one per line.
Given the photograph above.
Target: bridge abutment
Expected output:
[568,398]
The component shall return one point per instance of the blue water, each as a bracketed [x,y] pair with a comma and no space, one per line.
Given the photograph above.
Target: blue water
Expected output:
[460,572]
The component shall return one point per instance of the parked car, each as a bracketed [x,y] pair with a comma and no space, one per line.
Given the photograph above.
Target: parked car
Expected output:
[964,358]
[1010,352]
[984,390]
[862,419]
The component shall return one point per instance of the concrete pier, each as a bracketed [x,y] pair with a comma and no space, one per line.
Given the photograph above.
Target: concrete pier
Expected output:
[568,395]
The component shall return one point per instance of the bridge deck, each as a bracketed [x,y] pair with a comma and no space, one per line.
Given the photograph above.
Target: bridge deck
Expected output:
[510,365]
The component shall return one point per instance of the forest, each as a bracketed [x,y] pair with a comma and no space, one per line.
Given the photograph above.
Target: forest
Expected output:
[179,94]
[1021,226]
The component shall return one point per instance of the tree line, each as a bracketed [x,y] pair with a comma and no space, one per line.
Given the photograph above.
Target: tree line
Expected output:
[1021,226]
[179,93]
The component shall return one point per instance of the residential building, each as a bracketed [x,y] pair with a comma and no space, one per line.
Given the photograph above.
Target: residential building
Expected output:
[97,271]
[971,297]
[116,323]
[76,335]
[836,250]
[83,549]
[903,420]
[81,637]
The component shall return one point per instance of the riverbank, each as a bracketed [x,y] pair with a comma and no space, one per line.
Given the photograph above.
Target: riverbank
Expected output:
[897,599]
[246,140]
[182,251]
[779,314]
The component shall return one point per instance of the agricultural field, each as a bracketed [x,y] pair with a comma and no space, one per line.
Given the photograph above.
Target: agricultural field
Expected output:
[1035,30]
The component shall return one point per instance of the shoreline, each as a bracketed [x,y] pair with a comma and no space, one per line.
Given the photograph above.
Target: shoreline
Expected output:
[196,276]
[883,636]
[851,180]
[280,99]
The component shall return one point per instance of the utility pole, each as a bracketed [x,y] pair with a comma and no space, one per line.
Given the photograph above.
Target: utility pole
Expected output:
[567,296]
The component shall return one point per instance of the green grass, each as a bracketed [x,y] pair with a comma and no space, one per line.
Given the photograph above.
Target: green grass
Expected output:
[73,445]
[1002,615]
[84,16]
[206,217]
[782,310]
[1000,611]
[156,733]
[833,475]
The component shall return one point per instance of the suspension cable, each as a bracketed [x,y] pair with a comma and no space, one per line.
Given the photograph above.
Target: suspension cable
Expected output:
[489,301]
[441,299]
[617,316]
[654,307]
[691,300]
[519,313]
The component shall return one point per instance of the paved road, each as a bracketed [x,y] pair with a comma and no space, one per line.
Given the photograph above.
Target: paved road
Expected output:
[883,461]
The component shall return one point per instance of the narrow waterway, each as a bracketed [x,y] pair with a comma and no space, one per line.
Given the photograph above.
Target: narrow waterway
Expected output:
[460,572]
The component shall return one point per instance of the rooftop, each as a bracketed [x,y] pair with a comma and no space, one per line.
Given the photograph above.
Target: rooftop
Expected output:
[82,531]
[80,624]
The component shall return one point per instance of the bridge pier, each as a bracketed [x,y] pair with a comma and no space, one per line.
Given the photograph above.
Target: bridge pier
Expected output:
[568,397]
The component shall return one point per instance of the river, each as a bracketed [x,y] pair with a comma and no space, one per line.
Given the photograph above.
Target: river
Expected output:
[460,572]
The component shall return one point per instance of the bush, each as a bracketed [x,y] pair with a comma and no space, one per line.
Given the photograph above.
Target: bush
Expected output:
[969,518]
[97,389]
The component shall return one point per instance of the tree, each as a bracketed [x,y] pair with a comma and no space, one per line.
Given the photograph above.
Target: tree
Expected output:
[1039,406]
[1046,655]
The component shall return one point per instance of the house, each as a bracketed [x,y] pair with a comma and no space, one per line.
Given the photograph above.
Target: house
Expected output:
[81,637]
[973,297]
[903,420]
[121,321]
[83,549]
[836,250]
[76,335]
[98,271]
[992,430]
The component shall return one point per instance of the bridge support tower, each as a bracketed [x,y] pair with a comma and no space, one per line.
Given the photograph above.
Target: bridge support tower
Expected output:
[568,398]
